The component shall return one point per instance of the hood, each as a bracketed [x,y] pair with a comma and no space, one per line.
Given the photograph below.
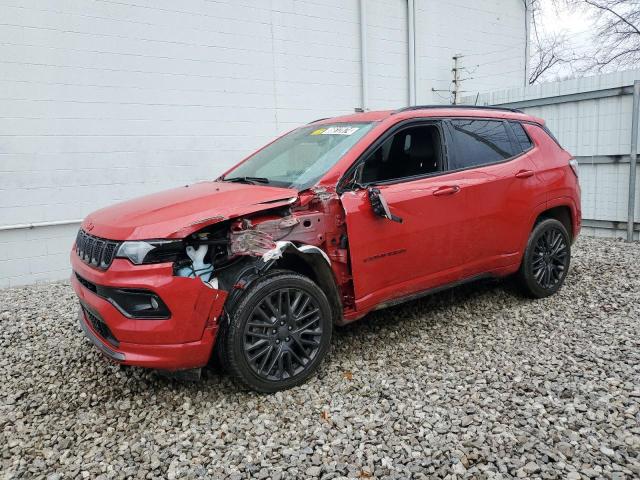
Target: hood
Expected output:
[180,211]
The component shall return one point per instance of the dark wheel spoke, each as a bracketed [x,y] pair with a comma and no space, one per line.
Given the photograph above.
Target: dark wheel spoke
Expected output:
[274,311]
[306,326]
[296,357]
[281,366]
[307,314]
[296,301]
[274,359]
[304,341]
[264,336]
[261,313]
[255,345]
[298,343]
[288,364]
[261,353]
[258,324]
[265,359]
[305,304]
[280,302]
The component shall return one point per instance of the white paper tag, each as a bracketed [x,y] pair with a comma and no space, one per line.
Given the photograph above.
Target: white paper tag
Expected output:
[340,130]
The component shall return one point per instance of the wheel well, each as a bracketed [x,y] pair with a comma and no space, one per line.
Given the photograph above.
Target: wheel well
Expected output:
[316,268]
[562,214]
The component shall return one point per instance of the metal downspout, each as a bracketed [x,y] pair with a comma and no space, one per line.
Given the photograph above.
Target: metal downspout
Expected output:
[21,226]
[527,45]
[634,159]
[363,56]
[411,29]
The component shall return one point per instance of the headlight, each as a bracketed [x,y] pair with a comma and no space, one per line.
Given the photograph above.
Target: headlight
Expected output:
[151,251]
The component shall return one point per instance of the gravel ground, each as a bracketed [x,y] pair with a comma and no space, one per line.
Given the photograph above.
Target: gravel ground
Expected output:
[472,383]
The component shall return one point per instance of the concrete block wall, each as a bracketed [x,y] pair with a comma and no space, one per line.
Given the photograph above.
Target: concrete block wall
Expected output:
[106,100]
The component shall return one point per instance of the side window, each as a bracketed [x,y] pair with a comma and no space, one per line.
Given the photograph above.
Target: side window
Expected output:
[411,152]
[479,142]
[523,139]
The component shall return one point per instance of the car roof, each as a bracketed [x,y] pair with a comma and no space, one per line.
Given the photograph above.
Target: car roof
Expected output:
[439,111]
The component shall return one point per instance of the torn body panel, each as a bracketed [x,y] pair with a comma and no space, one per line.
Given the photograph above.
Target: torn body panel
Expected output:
[308,236]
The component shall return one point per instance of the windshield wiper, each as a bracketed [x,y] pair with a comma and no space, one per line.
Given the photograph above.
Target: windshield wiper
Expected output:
[252,180]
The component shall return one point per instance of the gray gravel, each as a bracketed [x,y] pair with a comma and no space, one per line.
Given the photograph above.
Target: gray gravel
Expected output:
[472,383]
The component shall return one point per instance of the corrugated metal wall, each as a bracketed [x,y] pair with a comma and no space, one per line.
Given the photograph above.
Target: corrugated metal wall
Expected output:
[598,133]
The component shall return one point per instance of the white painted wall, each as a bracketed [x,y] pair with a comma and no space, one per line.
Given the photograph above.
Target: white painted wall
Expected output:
[489,35]
[105,100]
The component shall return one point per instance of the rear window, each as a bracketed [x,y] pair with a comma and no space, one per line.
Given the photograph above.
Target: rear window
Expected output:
[524,142]
[479,142]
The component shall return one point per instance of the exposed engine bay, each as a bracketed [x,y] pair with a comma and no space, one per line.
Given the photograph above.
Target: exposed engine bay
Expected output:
[308,235]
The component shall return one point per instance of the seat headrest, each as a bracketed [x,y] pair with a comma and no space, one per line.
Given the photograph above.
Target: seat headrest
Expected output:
[421,146]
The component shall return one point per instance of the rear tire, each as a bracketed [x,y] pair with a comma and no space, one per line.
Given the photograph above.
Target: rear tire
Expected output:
[278,333]
[546,259]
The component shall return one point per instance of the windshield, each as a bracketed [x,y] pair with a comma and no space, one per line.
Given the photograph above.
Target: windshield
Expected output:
[300,158]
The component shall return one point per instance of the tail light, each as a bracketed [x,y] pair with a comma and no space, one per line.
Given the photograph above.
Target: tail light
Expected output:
[573,163]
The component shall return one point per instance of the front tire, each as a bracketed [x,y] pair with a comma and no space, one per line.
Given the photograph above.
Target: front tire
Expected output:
[546,259]
[278,333]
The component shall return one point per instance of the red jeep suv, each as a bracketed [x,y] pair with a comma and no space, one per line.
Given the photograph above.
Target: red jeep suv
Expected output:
[323,225]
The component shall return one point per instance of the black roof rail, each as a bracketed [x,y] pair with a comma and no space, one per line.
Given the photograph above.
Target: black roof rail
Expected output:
[473,107]
[318,120]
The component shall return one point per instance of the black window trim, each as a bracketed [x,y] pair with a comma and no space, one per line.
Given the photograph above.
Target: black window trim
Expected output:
[343,183]
[443,123]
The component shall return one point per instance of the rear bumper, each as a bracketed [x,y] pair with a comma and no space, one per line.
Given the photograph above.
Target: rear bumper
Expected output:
[182,341]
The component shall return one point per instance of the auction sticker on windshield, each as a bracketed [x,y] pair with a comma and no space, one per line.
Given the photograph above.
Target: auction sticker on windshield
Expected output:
[340,130]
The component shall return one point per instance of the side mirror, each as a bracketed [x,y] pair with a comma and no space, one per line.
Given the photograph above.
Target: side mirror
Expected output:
[379,205]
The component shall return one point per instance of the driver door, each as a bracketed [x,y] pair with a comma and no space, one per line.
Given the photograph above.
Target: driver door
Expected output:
[389,259]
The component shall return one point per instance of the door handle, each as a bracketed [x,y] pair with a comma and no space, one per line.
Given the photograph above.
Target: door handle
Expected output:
[446,191]
[525,174]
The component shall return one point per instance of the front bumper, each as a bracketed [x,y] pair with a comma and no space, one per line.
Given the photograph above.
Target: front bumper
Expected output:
[182,341]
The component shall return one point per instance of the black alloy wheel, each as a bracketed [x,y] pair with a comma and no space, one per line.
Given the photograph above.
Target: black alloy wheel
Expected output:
[546,259]
[549,258]
[278,333]
[283,334]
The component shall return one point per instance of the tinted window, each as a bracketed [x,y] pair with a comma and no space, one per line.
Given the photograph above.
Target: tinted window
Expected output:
[479,142]
[523,139]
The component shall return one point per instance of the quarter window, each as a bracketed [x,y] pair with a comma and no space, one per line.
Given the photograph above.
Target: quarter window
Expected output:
[523,139]
[479,142]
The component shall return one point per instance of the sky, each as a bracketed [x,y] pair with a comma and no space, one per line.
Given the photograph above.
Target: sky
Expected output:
[576,25]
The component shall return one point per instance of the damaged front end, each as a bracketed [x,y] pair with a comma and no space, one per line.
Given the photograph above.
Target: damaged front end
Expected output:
[308,236]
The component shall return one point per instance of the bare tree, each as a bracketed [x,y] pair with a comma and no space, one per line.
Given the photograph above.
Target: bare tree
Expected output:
[616,36]
[618,33]
[615,42]
[547,51]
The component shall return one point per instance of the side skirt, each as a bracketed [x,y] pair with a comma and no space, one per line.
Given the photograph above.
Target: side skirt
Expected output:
[431,291]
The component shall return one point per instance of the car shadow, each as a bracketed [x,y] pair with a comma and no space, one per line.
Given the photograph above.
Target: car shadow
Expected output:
[432,304]
[377,326]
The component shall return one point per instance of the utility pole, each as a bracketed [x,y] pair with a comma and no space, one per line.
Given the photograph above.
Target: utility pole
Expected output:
[456,83]
[456,79]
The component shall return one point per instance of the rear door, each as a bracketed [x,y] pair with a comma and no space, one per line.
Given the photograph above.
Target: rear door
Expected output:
[502,189]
